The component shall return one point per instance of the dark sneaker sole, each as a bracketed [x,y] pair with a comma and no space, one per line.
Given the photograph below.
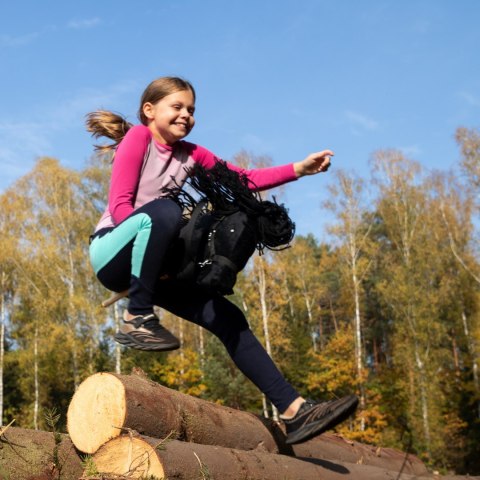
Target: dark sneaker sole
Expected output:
[329,421]
[129,341]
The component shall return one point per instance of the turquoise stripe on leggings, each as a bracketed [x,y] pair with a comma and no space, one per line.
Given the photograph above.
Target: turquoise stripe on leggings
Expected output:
[104,249]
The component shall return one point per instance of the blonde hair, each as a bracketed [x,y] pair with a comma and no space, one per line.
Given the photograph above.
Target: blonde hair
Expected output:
[103,123]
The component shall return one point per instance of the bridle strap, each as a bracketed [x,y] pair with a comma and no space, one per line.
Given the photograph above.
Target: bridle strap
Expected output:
[211,249]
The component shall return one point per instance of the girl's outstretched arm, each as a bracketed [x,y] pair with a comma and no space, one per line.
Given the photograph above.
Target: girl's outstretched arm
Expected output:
[314,163]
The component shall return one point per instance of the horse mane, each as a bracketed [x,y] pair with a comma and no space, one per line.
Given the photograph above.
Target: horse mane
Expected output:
[228,191]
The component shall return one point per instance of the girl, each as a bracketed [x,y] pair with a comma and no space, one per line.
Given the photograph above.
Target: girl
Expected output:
[131,240]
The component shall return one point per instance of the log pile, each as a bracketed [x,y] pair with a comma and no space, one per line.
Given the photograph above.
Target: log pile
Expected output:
[37,455]
[134,428]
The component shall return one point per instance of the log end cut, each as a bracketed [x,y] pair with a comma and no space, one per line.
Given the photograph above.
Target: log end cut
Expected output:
[97,412]
[129,456]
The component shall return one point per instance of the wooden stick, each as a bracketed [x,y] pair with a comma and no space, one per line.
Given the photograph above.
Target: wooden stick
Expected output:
[114,298]
[4,429]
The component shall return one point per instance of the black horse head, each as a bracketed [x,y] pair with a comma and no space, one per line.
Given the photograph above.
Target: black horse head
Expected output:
[224,228]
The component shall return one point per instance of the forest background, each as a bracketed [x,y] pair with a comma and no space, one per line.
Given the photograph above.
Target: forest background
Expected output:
[383,302]
[389,307]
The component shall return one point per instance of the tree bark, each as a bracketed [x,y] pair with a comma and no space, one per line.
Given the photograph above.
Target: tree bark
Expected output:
[106,404]
[137,457]
[330,446]
[333,447]
[28,454]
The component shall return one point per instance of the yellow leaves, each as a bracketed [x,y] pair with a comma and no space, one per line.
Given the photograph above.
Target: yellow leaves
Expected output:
[368,424]
[469,142]
[333,369]
[182,372]
[334,375]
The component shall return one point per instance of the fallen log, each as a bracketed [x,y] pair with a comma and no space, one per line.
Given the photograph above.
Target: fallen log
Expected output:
[106,405]
[137,457]
[330,446]
[34,454]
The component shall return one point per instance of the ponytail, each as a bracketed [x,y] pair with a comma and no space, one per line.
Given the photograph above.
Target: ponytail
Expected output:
[103,123]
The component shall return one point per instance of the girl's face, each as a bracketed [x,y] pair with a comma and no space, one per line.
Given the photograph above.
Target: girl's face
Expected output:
[171,118]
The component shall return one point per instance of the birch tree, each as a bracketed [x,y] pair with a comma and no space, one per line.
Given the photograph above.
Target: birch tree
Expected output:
[468,140]
[454,208]
[305,287]
[7,281]
[409,288]
[58,230]
[352,232]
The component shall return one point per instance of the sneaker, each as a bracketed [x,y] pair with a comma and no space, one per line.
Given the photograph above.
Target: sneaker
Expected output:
[314,418]
[145,332]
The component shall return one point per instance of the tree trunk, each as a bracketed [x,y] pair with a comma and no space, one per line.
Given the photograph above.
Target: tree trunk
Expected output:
[3,321]
[36,402]
[25,454]
[473,354]
[201,349]
[118,348]
[262,291]
[134,456]
[106,404]
[424,400]
[358,340]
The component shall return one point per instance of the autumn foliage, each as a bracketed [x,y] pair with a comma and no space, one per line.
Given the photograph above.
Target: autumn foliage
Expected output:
[387,305]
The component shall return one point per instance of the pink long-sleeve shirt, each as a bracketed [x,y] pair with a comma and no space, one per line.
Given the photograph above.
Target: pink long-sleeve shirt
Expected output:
[143,167]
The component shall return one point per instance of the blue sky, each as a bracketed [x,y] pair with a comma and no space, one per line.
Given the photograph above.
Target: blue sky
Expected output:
[276,77]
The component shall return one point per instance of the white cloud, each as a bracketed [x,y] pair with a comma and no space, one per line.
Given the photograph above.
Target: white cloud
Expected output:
[22,141]
[18,40]
[255,143]
[24,136]
[411,150]
[469,98]
[360,120]
[421,25]
[85,23]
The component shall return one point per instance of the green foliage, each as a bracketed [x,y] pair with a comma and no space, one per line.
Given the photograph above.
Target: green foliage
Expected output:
[89,467]
[224,383]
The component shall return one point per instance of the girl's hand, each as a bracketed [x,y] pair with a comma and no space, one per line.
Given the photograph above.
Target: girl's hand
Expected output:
[313,163]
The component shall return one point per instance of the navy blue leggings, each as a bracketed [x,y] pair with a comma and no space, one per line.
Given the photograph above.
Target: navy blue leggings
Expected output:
[225,320]
[131,256]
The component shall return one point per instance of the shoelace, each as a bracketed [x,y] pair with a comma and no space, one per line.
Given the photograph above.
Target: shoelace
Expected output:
[326,408]
[155,327]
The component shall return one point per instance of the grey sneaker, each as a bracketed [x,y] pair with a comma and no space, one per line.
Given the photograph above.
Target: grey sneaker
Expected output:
[146,333]
[313,418]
